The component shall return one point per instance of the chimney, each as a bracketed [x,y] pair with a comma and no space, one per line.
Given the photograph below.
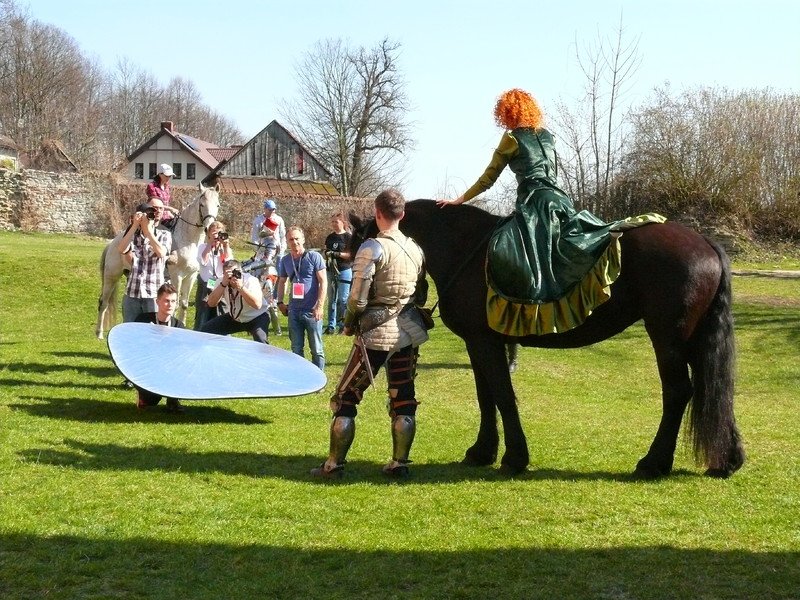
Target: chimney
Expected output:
[167,125]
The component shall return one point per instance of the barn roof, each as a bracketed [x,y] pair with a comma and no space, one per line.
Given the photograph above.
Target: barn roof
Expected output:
[277,187]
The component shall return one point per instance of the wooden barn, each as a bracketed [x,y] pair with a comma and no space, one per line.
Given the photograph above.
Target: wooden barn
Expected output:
[273,153]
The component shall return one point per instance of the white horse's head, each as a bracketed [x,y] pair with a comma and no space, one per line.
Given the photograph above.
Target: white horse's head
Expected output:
[208,205]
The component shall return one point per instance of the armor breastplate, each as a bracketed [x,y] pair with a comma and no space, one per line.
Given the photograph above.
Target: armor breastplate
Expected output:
[397,270]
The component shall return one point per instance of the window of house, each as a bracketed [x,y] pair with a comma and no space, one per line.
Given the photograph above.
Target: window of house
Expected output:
[299,161]
[190,170]
[152,170]
[176,169]
[138,171]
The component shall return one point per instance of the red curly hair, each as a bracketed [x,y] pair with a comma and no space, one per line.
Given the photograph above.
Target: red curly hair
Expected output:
[517,108]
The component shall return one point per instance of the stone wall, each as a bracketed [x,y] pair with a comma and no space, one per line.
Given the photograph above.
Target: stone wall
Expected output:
[57,202]
[100,204]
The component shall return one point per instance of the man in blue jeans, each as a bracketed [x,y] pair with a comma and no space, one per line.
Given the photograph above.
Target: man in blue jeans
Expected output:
[340,272]
[305,270]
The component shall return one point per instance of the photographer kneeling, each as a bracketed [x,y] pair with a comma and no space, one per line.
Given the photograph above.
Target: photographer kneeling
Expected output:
[246,302]
[211,255]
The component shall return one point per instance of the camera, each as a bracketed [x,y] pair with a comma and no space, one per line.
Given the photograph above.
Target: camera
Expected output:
[236,274]
[254,266]
[151,212]
[222,236]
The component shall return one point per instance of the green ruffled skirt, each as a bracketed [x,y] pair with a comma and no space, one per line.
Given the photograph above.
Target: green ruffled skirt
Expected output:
[548,266]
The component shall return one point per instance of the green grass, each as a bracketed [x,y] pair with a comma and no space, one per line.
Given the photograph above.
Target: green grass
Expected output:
[99,500]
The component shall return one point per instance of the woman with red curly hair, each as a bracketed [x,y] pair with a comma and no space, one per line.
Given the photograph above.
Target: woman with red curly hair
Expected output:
[548,265]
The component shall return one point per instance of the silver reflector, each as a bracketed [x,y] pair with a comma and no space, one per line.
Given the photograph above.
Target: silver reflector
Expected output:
[190,365]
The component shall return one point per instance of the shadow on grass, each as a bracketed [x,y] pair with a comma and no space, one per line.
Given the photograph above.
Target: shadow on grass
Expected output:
[764,319]
[70,385]
[89,355]
[99,457]
[79,567]
[98,411]
[32,367]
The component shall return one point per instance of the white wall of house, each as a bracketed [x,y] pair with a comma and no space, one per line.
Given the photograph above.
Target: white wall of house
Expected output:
[188,169]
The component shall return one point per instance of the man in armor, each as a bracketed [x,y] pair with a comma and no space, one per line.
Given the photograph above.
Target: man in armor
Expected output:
[387,286]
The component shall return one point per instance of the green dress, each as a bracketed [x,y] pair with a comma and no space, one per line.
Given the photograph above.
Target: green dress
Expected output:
[548,265]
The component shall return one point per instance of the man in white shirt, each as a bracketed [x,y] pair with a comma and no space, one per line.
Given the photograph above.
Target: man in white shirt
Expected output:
[246,303]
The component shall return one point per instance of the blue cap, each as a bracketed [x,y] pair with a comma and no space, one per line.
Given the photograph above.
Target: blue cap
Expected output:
[270,203]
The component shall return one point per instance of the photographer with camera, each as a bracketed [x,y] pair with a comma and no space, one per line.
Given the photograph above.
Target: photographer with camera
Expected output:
[211,255]
[340,274]
[246,302]
[144,249]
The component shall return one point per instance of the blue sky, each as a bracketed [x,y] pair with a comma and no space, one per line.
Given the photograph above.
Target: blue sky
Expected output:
[457,56]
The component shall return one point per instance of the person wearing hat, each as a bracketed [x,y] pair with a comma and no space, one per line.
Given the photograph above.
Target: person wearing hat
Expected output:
[267,239]
[159,188]
[258,226]
[144,248]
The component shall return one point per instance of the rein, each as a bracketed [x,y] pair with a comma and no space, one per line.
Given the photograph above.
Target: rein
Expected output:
[202,222]
[461,267]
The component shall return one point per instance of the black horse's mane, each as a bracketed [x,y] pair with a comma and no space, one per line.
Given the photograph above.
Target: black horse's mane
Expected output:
[464,222]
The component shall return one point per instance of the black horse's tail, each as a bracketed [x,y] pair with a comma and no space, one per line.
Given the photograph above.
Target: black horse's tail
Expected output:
[712,424]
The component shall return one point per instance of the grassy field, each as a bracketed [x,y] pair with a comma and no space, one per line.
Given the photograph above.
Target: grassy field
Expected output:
[100,500]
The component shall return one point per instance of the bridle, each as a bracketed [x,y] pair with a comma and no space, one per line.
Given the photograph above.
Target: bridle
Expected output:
[203,218]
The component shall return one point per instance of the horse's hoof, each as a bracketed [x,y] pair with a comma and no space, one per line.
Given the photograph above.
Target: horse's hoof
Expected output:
[642,474]
[718,473]
[648,469]
[511,471]
[734,464]
[473,459]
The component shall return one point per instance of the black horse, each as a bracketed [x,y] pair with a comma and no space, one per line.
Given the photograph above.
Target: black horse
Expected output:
[674,279]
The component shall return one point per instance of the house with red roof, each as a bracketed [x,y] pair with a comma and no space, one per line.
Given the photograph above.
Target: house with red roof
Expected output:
[192,159]
[273,163]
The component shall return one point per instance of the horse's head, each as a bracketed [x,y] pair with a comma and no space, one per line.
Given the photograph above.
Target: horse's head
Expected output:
[363,229]
[208,205]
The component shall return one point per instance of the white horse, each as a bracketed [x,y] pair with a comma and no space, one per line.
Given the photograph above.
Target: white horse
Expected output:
[182,264]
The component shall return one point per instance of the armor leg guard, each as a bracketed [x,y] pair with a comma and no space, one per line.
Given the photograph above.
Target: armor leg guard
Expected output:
[403,429]
[343,430]
[354,381]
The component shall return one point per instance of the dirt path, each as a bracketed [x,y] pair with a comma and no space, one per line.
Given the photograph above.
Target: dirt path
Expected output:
[755,273]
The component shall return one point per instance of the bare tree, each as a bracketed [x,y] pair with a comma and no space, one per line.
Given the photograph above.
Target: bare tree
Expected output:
[137,104]
[50,91]
[717,155]
[594,131]
[134,101]
[352,112]
[46,83]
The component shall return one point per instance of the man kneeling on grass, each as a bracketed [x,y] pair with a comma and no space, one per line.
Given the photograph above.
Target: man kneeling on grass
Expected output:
[166,303]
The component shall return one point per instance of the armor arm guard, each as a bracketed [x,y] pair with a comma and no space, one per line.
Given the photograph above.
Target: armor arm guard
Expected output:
[363,271]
